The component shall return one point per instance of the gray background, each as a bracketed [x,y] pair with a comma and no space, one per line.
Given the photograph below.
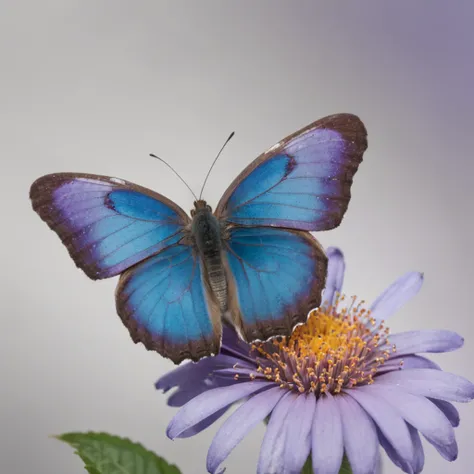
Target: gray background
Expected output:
[94,86]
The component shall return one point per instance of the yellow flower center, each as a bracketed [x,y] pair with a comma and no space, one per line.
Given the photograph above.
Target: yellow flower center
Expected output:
[334,349]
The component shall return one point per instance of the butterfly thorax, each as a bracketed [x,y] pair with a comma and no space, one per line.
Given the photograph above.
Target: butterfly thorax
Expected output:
[206,231]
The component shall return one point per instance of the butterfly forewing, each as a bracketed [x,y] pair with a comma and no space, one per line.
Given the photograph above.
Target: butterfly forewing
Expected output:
[303,182]
[107,224]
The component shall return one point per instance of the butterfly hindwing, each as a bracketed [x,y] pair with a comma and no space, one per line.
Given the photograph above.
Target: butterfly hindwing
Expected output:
[166,304]
[107,224]
[303,182]
[275,278]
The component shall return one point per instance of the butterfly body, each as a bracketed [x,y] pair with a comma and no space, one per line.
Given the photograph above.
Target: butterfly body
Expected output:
[207,233]
[252,260]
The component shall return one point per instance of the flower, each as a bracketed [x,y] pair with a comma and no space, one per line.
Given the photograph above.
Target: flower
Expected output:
[340,384]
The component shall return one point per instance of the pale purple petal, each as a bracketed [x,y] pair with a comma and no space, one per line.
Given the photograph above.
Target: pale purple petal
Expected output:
[430,383]
[418,412]
[419,456]
[239,424]
[271,457]
[187,391]
[234,346]
[202,425]
[396,295]
[428,340]
[230,336]
[327,443]
[209,402]
[298,438]
[418,448]
[378,463]
[387,419]
[184,373]
[335,274]
[407,362]
[449,410]
[193,372]
[448,451]
[414,361]
[241,372]
[182,396]
[359,434]
[393,455]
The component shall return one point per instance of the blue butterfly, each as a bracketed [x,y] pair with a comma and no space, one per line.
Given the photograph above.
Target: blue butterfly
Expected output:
[252,262]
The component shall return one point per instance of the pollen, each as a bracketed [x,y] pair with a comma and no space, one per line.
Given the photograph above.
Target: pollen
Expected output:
[340,346]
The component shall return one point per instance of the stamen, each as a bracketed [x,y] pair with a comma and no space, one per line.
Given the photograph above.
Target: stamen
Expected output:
[336,348]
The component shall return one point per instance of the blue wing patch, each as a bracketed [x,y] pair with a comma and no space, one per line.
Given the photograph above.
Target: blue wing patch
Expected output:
[165,305]
[275,278]
[301,183]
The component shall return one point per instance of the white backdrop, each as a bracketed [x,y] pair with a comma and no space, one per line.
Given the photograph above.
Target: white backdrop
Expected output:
[94,86]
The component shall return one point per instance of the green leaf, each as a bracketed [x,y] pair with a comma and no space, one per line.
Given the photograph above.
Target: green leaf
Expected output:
[106,454]
[345,467]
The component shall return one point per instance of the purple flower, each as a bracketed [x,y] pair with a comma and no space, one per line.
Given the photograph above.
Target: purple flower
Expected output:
[338,385]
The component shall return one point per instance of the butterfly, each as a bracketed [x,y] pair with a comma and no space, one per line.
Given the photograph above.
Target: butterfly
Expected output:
[252,262]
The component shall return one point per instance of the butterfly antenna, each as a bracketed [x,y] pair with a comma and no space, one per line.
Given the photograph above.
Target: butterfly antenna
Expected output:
[214,162]
[175,172]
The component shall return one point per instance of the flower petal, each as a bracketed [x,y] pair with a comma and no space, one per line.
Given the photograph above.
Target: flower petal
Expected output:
[387,419]
[418,448]
[327,443]
[335,274]
[419,412]
[407,362]
[271,457]
[396,295]
[209,402]
[414,361]
[182,396]
[202,425]
[411,342]
[182,374]
[193,372]
[233,345]
[419,458]
[244,372]
[298,438]
[430,383]
[393,455]
[449,410]
[239,424]
[360,436]
[448,451]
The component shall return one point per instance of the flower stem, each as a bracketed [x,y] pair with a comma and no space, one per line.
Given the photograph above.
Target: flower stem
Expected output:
[345,467]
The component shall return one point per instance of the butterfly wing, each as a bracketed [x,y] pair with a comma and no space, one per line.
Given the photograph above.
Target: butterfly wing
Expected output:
[166,303]
[275,277]
[107,224]
[303,182]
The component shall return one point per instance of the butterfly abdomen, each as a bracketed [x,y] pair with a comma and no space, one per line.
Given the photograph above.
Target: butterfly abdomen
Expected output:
[207,235]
